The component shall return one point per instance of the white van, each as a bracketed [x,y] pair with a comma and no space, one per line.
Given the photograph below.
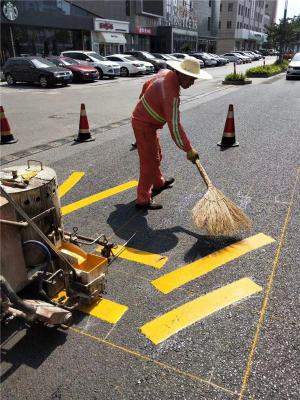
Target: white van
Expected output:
[105,67]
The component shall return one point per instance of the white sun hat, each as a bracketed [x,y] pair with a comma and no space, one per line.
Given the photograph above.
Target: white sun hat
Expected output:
[189,66]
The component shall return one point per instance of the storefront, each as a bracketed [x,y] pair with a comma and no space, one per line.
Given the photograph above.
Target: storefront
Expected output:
[109,36]
[171,40]
[43,28]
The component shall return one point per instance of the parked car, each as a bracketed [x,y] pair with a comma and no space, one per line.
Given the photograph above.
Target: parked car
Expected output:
[80,72]
[128,67]
[293,69]
[220,60]
[149,67]
[166,57]
[146,56]
[255,56]
[245,59]
[35,70]
[104,67]
[206,58]
[182,56]
[233,58]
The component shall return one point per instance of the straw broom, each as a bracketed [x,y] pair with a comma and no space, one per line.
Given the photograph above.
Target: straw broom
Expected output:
[216,213]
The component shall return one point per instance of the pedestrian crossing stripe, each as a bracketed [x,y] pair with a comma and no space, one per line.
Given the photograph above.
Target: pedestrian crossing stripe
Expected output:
[142,257]
[97,197]
[189,272]
[69,183]
[189,313]
[106,310]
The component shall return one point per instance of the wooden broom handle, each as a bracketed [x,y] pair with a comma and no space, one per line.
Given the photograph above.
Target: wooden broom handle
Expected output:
[203,173]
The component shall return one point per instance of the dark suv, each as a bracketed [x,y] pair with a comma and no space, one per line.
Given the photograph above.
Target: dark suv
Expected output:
[146,56]
[35,70]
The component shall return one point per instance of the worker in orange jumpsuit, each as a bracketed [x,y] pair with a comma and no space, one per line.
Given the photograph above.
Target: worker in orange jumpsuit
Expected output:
[159,104]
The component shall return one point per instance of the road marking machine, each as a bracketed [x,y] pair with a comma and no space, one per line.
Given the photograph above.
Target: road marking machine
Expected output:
[39,258]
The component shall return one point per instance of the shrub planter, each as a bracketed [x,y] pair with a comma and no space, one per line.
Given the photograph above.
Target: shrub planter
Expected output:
[246,82]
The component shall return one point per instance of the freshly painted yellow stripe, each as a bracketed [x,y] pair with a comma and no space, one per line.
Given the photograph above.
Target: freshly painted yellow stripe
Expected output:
[106,310]
[97,197]
[69,183]
[189,272]
[175,320]
[142,257]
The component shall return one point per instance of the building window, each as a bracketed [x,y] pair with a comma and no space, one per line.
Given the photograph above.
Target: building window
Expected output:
[208,23]
[220,7]
[209,3]
[228,24]
[127,7]
[219,24]
[230,6]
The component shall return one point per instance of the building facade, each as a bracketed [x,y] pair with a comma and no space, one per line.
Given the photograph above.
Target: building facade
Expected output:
[242,24]
[43,28]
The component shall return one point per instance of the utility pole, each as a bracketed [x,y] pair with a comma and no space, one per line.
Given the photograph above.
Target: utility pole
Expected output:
[282,31]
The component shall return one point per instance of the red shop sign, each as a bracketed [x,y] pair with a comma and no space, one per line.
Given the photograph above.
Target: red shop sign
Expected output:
[106,25]
[141,30]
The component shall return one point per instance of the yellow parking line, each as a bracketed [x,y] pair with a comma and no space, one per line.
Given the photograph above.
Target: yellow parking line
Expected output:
[142,257]
[97,197]
[70,182]
[106,310]
[189,272]
[179,318]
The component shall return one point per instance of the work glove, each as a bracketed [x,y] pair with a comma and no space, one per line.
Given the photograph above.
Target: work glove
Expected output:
[192,155]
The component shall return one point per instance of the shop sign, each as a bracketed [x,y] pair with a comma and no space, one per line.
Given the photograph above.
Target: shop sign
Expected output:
[9,10]
[107,25]
[141,30]
[184,18]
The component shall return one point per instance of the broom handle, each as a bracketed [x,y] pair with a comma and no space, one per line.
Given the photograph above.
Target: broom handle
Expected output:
[203,174]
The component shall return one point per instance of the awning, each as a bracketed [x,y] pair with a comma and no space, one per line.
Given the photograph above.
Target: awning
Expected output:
[110,37]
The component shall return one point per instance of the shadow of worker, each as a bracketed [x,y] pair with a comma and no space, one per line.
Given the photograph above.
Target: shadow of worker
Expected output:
[126,220]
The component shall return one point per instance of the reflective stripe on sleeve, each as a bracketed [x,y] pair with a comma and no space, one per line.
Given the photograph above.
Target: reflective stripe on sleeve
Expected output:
[175,123]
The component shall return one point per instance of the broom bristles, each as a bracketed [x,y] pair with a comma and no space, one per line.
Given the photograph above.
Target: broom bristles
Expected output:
[219,215]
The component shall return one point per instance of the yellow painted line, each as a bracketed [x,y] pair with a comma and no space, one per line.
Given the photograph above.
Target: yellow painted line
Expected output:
[106,310]
[189,272]
[69,183]
[97,197]
[148,359]
[275,267]
[175,320]
[142,257]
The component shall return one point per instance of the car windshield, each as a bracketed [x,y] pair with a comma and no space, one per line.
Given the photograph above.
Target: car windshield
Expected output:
[131,58]
[296,57]
[97,56]
[148,55]
[42,63]
[69,61]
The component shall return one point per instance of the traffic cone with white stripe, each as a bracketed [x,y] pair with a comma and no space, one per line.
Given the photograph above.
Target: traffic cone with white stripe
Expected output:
[6,135]
[84,134]
[228,138]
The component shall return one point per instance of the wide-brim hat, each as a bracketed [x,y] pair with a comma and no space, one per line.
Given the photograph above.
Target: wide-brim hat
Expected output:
[189,66]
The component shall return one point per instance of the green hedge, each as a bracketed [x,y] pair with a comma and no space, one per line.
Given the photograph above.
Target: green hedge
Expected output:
[267,70]
[235,77]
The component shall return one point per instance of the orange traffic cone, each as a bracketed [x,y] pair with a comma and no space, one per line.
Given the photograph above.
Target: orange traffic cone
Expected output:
[84,134]
[228,138]
[6,135]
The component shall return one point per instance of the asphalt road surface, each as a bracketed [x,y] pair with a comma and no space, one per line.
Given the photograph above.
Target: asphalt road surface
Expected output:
[192,316]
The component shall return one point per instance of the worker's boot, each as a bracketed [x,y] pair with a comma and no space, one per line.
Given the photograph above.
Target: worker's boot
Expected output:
[149,206]
[168,184]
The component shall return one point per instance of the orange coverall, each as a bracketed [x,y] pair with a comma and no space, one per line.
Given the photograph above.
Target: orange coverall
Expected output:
[158,104]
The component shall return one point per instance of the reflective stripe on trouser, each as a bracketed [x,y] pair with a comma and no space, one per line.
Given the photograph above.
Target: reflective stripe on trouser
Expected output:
[148,146]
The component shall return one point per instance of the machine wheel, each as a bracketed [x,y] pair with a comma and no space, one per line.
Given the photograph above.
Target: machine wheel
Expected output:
[43,82]
[10,80]
[100,73]
[124,71]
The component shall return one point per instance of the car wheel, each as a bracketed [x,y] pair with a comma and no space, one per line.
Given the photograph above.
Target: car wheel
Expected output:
[10,80]
[124,71]
[43,82]
[100,73]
